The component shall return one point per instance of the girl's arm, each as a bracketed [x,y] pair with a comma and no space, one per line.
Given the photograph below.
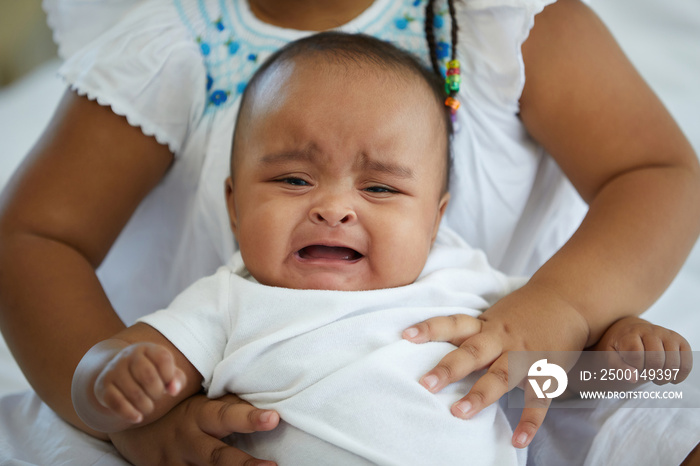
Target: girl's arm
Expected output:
[626,156]
[59,216]
[125,381]
[585,103]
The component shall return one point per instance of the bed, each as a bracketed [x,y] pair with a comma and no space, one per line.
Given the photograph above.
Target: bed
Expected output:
[661,38]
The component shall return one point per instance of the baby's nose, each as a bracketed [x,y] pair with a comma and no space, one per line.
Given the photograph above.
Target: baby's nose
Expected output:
[333,213]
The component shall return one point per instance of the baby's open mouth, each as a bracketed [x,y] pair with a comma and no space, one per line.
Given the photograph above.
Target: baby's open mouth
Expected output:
[329,253]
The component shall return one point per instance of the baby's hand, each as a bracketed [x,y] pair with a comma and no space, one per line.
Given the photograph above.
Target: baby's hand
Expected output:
[530,319]
[135,378]
[634,343]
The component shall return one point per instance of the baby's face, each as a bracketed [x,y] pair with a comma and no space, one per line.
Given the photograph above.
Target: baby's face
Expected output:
[338,182]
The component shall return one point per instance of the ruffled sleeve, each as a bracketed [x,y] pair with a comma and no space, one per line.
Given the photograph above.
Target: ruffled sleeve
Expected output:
[491,34]
[509,198]
[148,68]
[77,22]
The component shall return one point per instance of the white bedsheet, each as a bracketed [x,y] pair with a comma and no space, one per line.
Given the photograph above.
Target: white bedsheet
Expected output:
[661,38]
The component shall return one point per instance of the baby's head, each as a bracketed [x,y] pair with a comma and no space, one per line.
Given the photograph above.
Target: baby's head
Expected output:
[339,166]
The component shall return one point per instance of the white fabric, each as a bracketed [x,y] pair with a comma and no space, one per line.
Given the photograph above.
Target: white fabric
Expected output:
[617,432]
[334,365]
[32,434]
[157,73]
[77,22]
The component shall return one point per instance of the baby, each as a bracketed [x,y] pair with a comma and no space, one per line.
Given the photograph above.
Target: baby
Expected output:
[339,178]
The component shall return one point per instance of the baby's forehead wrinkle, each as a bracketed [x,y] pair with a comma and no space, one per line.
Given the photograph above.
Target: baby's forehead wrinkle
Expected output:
[311,154]
[366,162]
[305,154]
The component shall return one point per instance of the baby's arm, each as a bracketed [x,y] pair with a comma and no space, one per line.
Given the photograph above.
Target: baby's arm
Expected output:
[131,379]
[634,343]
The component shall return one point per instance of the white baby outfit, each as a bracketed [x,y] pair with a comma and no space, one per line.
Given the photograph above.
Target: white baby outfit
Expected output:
[334,365]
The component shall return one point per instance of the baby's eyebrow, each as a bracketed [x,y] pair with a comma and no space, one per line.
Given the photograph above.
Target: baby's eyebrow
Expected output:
[294,155]
[394,169]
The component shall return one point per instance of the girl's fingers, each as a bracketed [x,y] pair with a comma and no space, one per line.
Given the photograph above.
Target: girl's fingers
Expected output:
[229,414]
[188,436]
[210,451]
[452,329]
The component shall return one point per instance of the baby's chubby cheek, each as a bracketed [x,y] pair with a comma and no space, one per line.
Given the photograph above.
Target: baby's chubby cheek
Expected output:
[403,270]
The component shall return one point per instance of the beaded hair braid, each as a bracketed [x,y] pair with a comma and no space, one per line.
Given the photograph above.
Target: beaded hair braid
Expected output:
[452,74]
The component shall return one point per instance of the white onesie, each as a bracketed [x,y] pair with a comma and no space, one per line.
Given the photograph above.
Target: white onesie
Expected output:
[334,365]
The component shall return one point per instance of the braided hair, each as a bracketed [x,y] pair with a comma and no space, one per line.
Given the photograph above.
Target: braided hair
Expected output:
[452,74]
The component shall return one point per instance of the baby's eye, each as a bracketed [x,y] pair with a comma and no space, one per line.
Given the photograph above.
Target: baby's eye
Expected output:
[294,181]
[380,190]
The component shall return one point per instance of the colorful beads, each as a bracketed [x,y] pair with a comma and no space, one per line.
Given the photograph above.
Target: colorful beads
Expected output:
[452,82]
[453,77]
[452,103]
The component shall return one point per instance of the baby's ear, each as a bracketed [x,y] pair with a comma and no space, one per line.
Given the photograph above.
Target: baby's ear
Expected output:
[231,204]
[442,205]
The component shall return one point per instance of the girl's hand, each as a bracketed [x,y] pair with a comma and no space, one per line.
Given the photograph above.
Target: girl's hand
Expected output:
[137,377]
[190,434]
[634,343]
[529,319]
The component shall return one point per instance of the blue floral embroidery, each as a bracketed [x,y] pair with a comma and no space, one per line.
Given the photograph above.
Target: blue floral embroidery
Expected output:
[403,22]
[442,49]
[230,58]
[218,97]
[203,46]
[233,46]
